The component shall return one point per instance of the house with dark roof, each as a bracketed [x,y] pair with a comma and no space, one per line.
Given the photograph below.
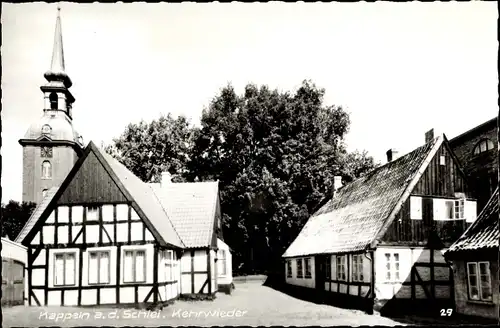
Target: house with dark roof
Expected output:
[105,237]
[378,241]
[477,152]
[475,258]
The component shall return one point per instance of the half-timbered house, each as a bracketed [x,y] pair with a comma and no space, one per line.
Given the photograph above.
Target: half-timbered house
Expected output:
[378,240]
[194,209]
[102,237]
[475,265]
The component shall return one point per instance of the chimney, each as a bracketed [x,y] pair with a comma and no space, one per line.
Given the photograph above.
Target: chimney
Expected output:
[392,155]
[337,184]
[429,135]
[166,178]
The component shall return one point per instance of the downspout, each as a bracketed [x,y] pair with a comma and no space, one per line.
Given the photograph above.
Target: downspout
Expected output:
[371,258]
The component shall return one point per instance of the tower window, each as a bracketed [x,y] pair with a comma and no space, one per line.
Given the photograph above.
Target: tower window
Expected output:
[53,101]
[483,146]
[46,170]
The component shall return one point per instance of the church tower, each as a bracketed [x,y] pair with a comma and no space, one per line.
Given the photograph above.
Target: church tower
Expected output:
[51,146]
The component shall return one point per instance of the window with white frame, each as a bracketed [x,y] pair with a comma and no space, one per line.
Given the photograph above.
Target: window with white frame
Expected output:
[92,213]
[168,257]
[289,269]
[415,208]
[357,267]
[300,273]
[483,146]
[479,281]
[341,267]
[64,269]
[222,262]
[454,209]
[392,266]
[308,267]
[134,265]
[99,267]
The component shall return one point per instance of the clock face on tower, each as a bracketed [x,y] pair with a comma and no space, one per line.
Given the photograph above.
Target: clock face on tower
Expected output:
[46,129]
[46,151]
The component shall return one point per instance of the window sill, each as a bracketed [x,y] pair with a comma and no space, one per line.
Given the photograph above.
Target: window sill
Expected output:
[490,303]
[308,277]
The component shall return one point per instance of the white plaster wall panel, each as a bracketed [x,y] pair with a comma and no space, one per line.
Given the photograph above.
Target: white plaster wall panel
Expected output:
[168,292]
[200,260]
[54,297]
[335,286]
[40,295]
[63,214]
[122,212]
[77,214]
[107,213]
[136,231]
[142,292]
[327,286]
[109,228]
[36,239]
[71,298]
[162,293]
[76,231]
[186,262]
[343,288]
[108,296]
[89,296]
[186,284]
[51,218]
[127,295]
[122,232]
[134,215]
[149,236]
[353,290]
[199,280]
[62,234]
[384,291]
[48,235]
[438,257]
[92,233]
[442,274]
[38,277]
[416,253]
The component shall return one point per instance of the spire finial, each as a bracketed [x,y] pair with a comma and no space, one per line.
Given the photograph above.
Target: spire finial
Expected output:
[57,67]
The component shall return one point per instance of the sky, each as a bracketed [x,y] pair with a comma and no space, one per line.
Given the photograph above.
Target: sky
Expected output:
[399,69]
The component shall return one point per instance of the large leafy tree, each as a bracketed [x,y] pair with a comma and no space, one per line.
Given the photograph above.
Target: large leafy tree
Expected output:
[147,149]
[275,154]
[14,217]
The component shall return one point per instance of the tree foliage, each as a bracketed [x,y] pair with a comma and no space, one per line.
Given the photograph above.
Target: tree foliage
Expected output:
[147,149]
[274,153]
[14,217]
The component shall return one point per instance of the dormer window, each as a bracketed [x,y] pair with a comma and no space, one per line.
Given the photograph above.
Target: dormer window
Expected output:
[46,129]
[53,101]
[483,146]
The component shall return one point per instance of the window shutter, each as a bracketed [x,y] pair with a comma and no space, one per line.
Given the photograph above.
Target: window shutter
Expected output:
[437,209]
[470,210]
[416,208]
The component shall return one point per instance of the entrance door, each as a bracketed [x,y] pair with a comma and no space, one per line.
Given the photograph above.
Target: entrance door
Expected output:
[319,268]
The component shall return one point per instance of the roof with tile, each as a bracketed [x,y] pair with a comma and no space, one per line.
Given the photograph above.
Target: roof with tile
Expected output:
[36,214]
[484,233]
[192,208]
[358,213]
[140,192]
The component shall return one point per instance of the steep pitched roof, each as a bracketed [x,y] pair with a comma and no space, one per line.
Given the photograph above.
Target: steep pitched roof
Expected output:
[36,214]
[484,233]
[149,207]
[192,209]
[361,211]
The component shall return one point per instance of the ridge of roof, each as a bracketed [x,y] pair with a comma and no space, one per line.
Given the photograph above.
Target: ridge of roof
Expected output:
[474,129]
